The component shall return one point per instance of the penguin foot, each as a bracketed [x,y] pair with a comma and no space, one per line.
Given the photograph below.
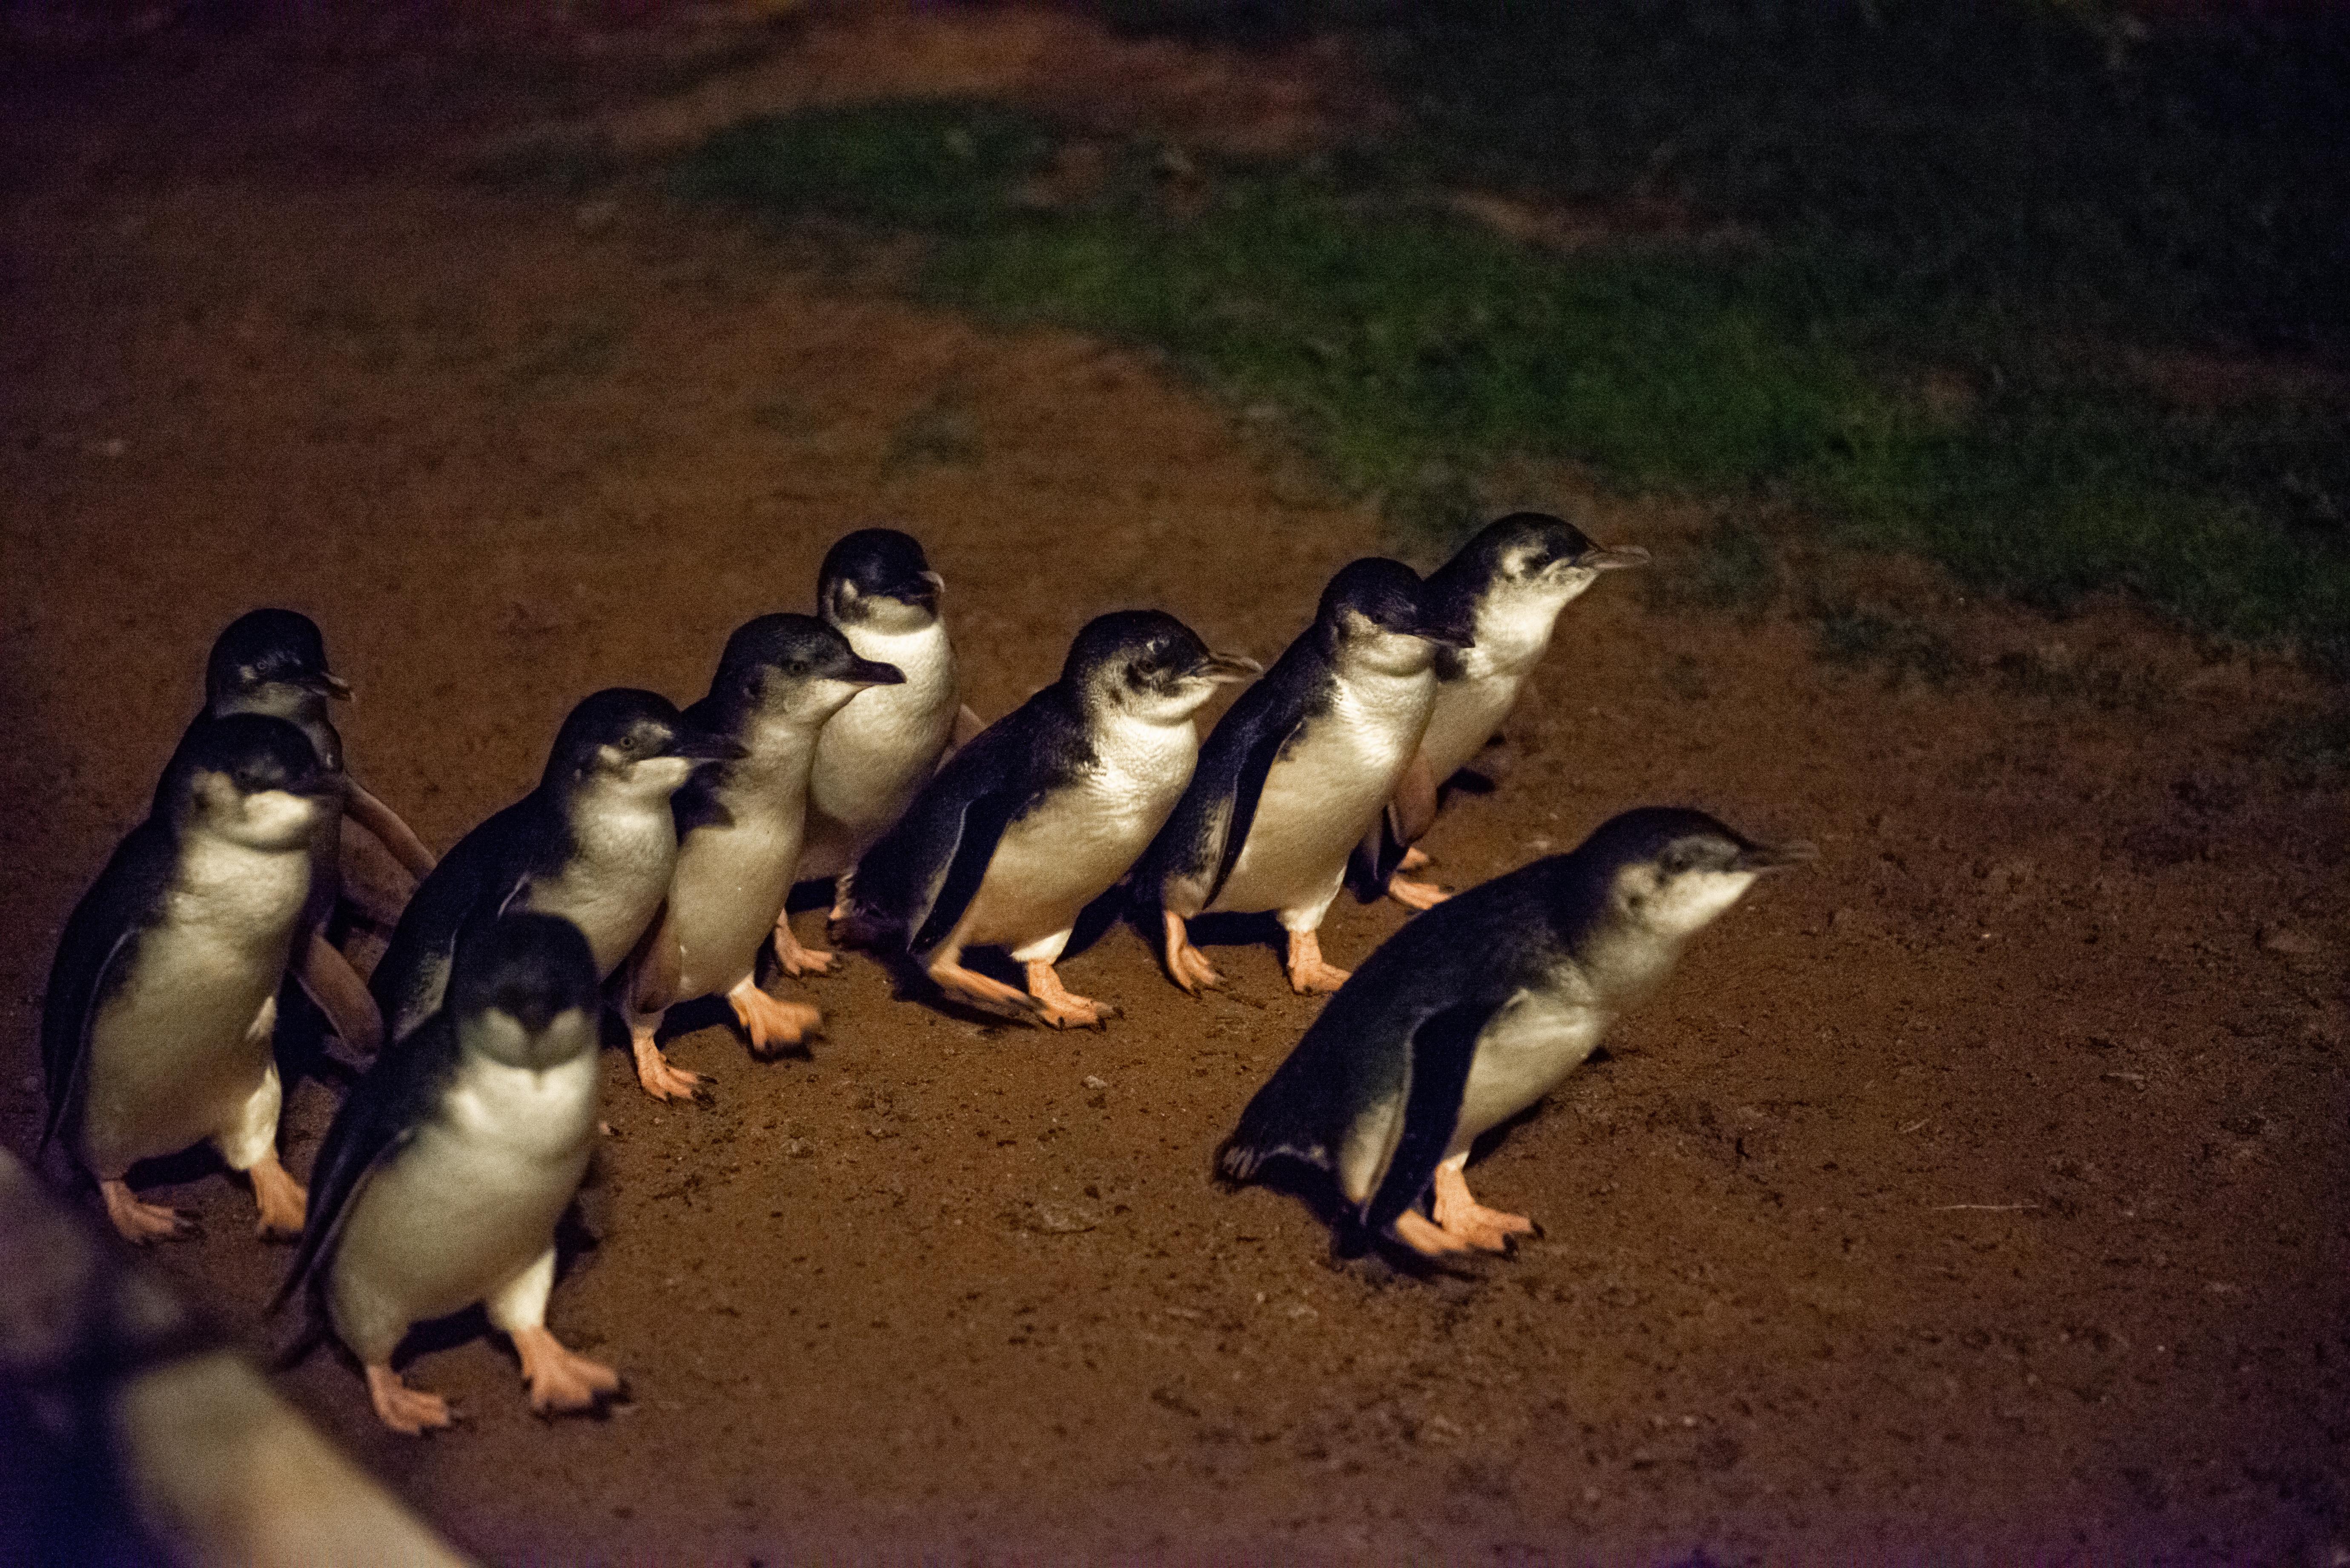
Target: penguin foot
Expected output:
[139,1223]
[982,992]
[771,1024]
[1415,1230]
[1062,1008]
[1414,894]
[411,1412]
[1462,1216]
[1309,973]
[284,1201]
[560,1378]
[658,1079]
[800,961]
[1415,858]
[1187,966]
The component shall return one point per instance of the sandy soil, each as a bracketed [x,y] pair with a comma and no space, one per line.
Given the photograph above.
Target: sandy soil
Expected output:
[1976,1193]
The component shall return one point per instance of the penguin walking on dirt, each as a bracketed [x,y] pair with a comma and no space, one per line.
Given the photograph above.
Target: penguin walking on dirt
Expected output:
[740,837]
[157,1027]
[443,1179]
[274,661]
[1479,1008]
[1299,769]
[877,589]
[1041,814]
[1509,584]
[596,843]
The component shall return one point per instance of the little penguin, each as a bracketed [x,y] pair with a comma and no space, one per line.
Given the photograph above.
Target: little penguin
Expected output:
[1480,1007]
[1298,770]
[274,661]
[1509,584]
[1042,813]
[442,1181]
[595,842]
[740,837]
[877,589]
[157,1027]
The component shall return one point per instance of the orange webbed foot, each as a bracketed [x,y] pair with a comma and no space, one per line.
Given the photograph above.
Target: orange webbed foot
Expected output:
[800,961]
[411,1412]
[1415,1230]
[560,1378]
[1187,966]
[1414,894]
[139,1223]
[1415,858]
[770,1023]
[1470,1221]
[1309,973]
[983,991]
[658,1078]
[1062,1008]
[285,1203]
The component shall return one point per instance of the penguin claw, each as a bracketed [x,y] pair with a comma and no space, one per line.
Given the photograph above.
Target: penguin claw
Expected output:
[1062,1008]
[1187,966]
[1460,1215]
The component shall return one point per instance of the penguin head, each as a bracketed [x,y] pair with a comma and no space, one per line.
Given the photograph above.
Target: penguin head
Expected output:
[795,668]
[878,578]
[633,742]
[250,778]
[524,991]
[1148,664]
[1528,562]
[269,648]
[1378,614]
[1673,871]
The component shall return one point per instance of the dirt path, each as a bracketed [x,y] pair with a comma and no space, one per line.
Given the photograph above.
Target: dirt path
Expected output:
[1977,1193]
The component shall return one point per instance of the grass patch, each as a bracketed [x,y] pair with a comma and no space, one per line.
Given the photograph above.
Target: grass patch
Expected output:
[1912,405]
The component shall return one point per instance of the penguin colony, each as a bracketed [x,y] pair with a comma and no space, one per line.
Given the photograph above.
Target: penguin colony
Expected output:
[652,864]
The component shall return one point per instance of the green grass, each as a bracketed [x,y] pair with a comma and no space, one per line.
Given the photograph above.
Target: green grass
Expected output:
[1412,351]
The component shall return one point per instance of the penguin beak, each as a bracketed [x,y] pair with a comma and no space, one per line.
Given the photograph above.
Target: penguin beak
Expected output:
[938,584]
[1226,669]
[335,686]
[923,590]
[1776,856]
[869,672]
[1461,632]
[1612,559]
[703,746]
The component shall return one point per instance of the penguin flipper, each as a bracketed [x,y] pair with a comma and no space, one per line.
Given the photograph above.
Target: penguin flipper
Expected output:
[409,978]
[387,827]
[1441,1052]
[385,1107]
[100,940]
[1248,788]
[916,882]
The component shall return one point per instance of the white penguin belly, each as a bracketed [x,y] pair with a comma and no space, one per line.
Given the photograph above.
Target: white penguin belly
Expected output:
[1075,844]
[873,755]
[1465,716]
[1324,792]
[616,881]
[469,1204]
[730,885]
[175,1055]
[1523,1053]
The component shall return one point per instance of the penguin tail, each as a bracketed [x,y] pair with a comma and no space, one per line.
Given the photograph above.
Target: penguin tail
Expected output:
[311,1334]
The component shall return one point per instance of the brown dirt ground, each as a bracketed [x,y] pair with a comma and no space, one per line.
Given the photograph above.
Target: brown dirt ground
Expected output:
[1976,1194]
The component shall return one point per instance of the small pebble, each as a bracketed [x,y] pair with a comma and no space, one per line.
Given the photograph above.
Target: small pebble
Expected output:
[1092,1082]
[2285,939]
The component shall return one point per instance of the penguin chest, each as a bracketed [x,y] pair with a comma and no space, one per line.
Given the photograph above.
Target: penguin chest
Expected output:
[1524,1053]
[1327,787]
[1466,714]
[473,1198]
[1075,843]
[618,876]
[182,1042]
[731,882]
[873,755]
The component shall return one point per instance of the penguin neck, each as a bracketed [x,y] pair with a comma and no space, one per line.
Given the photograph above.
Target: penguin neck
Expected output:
[782,749]
[601,809]
[1624,962]
[253,889]
[922,654]
[1513,631]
